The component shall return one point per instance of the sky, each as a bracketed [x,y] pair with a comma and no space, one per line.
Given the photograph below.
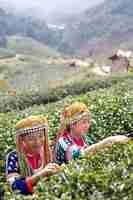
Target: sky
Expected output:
[49,6]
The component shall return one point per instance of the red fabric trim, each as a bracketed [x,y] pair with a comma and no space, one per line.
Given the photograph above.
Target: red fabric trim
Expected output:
[34,161]
[29,186]
[78,141]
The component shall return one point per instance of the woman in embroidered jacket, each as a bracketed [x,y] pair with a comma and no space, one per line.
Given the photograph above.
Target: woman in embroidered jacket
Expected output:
[70,143]
[31,159]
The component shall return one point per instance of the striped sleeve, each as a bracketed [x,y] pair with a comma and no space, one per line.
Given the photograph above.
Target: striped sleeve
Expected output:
[13,175]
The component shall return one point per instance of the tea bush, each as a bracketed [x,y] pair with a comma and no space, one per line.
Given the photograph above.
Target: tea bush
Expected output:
[30,98]
[108,174]
[105,176]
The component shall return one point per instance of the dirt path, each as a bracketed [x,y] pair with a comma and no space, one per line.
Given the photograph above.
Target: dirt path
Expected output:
[99,71]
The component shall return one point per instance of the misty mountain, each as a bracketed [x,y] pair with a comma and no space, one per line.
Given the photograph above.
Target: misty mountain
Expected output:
[11,24]
[101,28]
[47,9]
[98,29]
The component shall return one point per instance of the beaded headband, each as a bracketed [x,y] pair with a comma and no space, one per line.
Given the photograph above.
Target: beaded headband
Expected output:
[25,131]
[74,119]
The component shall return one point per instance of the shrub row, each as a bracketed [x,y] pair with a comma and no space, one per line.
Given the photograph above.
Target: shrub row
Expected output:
[107,175]
[26,99]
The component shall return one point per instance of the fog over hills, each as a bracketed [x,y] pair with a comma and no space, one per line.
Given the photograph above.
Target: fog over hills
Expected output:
[102,28]
[46,8]
[71,26]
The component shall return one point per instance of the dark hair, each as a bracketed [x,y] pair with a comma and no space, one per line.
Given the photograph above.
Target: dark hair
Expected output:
[68,128]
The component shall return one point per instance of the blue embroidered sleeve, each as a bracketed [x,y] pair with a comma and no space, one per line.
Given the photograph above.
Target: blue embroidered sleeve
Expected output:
[21,185]
[66,151]
[60,151]
[13,174]
[12,163]
[75,151]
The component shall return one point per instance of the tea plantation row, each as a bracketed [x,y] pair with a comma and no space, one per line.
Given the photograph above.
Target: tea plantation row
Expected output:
[108,174]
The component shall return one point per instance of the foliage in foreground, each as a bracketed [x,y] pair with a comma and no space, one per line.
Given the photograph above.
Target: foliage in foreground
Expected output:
[107,175]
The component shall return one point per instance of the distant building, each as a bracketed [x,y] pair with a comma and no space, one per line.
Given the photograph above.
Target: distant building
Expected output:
[120,63]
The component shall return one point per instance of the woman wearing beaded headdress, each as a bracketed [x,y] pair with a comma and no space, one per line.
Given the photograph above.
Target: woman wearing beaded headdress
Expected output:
[31,159]
[70,142]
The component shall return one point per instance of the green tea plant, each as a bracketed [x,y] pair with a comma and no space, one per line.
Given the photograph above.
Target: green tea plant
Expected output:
[106,175]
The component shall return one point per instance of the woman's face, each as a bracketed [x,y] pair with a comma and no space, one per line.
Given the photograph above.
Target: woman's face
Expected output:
[33,142]
[81,127]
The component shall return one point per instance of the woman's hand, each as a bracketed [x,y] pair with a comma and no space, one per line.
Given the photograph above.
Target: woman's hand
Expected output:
[50,169]
[107,142]
[121,139]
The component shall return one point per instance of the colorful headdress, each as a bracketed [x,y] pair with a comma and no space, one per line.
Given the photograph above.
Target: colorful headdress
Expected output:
[28,126]
[74,113]
[31,124]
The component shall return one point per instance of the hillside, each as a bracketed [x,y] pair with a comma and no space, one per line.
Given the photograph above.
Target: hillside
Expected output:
[29,65]
[30,47]
[36,78]
[105,26]
[11,24]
